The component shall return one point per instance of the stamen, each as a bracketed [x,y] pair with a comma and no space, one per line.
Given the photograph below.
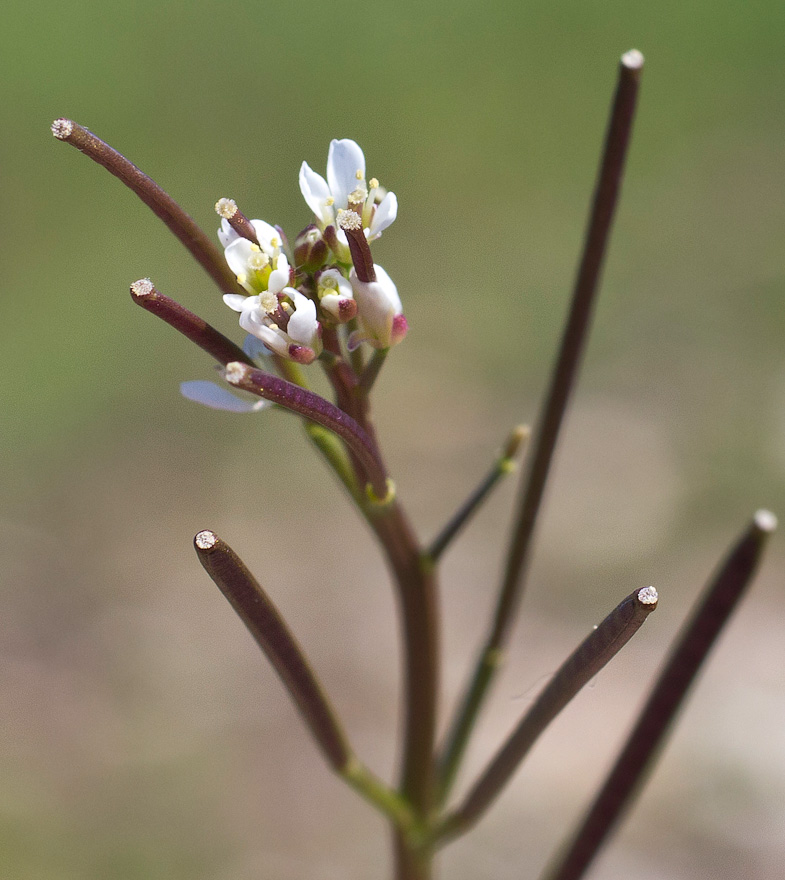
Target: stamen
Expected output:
[329,201]
[359,174]
[373,183]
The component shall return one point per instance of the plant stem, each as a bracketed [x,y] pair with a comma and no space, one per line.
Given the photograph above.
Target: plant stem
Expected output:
[335,454]
[202,248]
[314,407]
[144,294]
[263,620]
[597,649]
[371,372]
[544,443]
[257,611]
[418,601]
[504,465]
[687,656]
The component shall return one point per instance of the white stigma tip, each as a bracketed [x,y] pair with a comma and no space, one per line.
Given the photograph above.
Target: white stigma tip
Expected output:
[62,128]
[349,220]
[226,208]
[205,540]
[765,520]
[142,287]
[648,596]
[268,301]
[633,60]
[235,372]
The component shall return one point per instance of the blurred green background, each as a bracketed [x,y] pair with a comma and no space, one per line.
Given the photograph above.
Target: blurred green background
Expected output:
[142,735]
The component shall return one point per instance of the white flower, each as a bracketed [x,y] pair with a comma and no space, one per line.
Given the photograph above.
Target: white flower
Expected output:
[379,311]
[291,333]
[335,295]
[346,184]
[257,267]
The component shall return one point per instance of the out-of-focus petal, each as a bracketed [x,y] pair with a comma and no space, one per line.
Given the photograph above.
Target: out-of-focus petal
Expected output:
[226,235]
[255,348]
[212,395]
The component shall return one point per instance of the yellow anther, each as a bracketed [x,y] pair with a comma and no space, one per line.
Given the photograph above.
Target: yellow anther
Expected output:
[359,174]
[373,183]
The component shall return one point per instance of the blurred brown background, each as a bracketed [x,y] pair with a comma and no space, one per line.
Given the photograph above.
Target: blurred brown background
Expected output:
[142,734]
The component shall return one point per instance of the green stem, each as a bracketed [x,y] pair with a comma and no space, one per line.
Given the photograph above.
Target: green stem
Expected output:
[335,454]
[380,795]
[372,370]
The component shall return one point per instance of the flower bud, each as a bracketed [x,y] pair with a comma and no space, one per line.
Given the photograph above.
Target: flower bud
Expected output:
[310,249]
[379,311]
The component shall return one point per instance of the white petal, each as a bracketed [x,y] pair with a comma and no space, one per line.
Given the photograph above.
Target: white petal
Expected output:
[236,301]
[303,325]
[254,347]
[266,233]
[274,340]
[226,234]
[331,303]
[384,215]
[390,290]
[251,321]
[279,277]
[344,161]
[212,395]
[377,304]
[315,192]
[237,256]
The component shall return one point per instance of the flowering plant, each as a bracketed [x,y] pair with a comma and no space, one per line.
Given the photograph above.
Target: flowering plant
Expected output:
[324,303]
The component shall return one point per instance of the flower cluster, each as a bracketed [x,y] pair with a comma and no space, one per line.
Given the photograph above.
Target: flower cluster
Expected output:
[324,296]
